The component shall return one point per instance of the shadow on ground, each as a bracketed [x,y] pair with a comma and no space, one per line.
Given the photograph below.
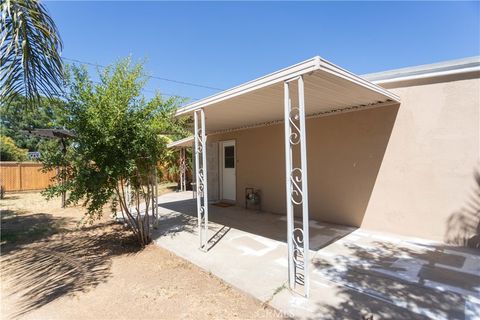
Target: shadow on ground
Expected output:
[392,282]
[372,278]
[42,262]
[182,217]
[20,228]
[174,223]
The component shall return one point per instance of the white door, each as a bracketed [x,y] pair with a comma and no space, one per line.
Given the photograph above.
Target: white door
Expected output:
[228,163]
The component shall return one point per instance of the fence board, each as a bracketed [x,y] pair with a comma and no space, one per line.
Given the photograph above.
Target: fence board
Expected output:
[23,176]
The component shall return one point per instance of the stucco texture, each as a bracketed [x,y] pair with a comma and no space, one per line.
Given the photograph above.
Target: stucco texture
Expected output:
[410,169]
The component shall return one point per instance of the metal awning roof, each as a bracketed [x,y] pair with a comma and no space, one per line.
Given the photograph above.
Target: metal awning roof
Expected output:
[183,143]
[328,88]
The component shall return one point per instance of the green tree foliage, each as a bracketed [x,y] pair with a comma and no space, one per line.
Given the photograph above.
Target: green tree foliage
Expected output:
[9,151]
[15,118]
[118,144]
[30,46]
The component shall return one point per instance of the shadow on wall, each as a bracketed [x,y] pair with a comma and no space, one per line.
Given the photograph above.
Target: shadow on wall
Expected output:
[346,152]
[463,226]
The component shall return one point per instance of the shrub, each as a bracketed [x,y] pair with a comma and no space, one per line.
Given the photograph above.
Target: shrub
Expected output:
[10,152]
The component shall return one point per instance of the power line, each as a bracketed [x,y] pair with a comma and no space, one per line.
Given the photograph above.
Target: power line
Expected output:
[146,90]
[163,94]
[151,76]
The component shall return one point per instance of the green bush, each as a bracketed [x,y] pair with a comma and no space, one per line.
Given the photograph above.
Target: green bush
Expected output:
[10,152]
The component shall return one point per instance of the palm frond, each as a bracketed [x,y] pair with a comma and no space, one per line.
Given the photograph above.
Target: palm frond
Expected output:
[30,46]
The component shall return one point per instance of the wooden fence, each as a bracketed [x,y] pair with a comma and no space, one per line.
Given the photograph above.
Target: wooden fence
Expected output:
[23,176]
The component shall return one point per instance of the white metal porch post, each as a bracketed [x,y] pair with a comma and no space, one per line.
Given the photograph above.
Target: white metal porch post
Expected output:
[183,170]
[201,177]
[296,189]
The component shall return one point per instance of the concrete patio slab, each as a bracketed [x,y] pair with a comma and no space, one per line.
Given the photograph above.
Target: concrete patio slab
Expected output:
[353,271]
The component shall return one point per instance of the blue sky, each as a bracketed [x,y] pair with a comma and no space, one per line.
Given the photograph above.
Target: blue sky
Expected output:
[222,44]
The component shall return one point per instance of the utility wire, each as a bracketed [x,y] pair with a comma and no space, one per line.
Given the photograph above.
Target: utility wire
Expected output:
[146,90]
[150,76]
[163,94]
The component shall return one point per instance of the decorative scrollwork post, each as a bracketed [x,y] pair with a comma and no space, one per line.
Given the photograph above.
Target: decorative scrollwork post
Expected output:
[296,188]
[201,177]
[183,170]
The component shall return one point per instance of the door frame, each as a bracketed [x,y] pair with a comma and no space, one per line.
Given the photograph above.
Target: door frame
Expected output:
[221,162]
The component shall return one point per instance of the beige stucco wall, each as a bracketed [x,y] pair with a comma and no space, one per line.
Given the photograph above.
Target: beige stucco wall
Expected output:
[408,169]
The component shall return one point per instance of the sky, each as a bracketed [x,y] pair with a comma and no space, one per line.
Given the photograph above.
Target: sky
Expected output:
[223,44]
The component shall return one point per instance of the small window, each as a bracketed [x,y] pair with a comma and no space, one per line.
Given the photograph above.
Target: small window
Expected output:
[229,156]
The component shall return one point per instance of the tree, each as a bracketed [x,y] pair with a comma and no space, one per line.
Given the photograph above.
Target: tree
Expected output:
[14,119]
[117,146]
[9,151]
[30,46]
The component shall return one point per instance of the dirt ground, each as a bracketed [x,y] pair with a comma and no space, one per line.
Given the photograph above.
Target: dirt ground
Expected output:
[54,268]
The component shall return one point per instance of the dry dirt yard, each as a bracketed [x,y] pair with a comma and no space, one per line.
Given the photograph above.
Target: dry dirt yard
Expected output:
[54,268]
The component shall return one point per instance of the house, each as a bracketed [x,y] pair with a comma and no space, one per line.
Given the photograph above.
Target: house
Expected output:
[396,151]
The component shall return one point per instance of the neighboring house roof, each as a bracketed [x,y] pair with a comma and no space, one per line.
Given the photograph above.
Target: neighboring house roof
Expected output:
[328,88]
[447,70]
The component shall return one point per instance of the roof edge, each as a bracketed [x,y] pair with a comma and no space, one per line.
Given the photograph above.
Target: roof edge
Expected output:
[439,69]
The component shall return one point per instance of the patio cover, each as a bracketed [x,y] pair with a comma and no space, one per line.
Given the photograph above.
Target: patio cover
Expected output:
[311,88]
[328,89]
[183,143]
